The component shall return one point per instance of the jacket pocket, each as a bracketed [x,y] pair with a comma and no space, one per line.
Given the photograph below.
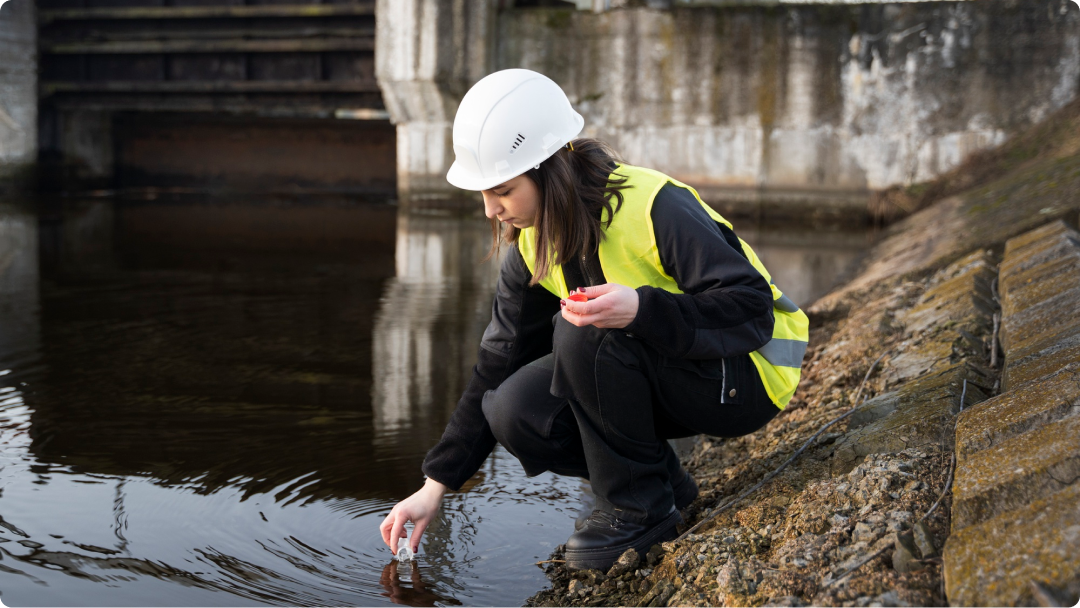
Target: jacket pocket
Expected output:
[703,377]
[736,370]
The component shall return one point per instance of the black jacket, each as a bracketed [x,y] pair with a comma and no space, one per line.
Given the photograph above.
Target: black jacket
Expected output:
[725,310]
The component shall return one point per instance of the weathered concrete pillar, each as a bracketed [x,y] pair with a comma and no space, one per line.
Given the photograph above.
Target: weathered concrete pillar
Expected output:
[427,55]
[18,87]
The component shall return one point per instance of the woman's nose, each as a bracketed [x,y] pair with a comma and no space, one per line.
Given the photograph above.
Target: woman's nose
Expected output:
[492,208]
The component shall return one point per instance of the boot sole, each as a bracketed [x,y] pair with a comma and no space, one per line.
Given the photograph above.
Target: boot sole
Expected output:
[603,557]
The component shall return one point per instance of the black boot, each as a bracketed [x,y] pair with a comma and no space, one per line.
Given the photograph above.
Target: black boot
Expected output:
[685,490]
[605,537]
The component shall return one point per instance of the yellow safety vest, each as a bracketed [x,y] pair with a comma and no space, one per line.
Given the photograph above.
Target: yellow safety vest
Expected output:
[629,256]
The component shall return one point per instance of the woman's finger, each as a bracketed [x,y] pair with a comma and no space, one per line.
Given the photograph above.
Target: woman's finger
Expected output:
[583,320]
[397,533]
[599,290]
[417,534]
[384,528]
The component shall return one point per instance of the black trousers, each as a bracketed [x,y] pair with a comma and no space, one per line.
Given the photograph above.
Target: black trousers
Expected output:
[602,405]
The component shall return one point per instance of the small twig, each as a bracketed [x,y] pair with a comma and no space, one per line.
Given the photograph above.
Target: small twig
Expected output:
[994,341]
[948,486]
[861,564]
[719,509]
[551,561]
[952,461]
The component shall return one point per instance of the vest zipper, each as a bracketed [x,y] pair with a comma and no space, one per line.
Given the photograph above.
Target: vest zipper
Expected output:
[585,271]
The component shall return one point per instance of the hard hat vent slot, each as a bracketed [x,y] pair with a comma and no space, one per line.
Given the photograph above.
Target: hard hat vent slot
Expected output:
[520,139]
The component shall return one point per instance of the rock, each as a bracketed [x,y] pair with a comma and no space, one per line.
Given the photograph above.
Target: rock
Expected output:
[993,563]
[627,562]
[659,594]
[655,554]
[787,600]
[863,533]
[728,576]
[924,540]
[590,577]
[1013,473]
[905,554]
[575,587]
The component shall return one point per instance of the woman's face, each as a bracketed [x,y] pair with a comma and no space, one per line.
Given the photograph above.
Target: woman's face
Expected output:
[513,202]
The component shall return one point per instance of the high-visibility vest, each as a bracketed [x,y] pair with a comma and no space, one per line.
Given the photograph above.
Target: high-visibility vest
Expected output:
[629,256]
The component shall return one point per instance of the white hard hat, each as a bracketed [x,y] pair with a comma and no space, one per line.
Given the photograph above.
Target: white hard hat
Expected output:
[508,123]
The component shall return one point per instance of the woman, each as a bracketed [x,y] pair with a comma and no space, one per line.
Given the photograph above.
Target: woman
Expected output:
[627,312]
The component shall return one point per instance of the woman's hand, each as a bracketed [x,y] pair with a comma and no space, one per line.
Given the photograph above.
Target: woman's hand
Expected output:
[420,508]
[609,305]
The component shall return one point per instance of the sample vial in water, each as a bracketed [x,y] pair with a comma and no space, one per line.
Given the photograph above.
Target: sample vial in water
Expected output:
[404,553]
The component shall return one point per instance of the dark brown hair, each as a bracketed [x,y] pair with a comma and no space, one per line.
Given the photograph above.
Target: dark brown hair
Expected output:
[576,187]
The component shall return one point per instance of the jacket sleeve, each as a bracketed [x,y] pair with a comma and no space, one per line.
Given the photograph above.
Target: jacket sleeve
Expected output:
[519,332]
[726,306]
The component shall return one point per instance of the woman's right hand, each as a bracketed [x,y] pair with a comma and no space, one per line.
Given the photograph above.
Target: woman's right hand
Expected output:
[420,509]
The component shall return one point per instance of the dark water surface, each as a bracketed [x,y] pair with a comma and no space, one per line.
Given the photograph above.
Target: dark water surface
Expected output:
[216,404]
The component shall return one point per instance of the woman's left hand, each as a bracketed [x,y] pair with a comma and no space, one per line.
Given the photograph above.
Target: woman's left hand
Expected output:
[609,305]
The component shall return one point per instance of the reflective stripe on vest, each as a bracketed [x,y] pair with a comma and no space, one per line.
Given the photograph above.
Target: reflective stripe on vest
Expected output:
[629,256]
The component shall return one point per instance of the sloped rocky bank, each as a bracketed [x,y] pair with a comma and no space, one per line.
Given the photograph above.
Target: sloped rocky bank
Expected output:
[955,480]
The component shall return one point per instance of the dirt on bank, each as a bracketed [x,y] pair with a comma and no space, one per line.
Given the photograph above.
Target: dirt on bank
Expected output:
[847,523]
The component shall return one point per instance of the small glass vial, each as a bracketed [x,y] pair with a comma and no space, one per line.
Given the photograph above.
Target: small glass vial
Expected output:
[404,553]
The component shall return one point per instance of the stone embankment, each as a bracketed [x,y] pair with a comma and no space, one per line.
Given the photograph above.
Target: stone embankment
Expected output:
[955,479]
[1016,501]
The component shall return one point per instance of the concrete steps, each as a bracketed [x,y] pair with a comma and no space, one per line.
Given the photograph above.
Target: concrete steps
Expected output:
[1016,498]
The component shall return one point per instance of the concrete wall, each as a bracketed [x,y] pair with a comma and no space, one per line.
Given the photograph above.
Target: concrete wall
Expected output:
[816,99]
[427,55]
[18,86]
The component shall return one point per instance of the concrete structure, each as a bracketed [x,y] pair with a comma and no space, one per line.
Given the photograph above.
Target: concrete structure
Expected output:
[18,86]
[427,55]
[800,101]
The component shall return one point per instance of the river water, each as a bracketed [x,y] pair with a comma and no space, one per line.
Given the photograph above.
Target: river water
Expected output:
[216,403]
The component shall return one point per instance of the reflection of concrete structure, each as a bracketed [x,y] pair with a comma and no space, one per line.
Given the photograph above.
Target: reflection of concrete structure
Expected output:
[83,240]
[805,263]
[429,325]
[18,85]
[20,333]
[826,99]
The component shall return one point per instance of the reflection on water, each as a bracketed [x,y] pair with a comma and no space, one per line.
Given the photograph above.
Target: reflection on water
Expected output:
[217,403]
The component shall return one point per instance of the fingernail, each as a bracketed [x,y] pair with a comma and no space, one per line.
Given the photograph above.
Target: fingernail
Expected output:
[562,303]
[581,290]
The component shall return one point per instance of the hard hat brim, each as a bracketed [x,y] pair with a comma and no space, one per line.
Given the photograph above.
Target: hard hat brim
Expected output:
[460,178]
